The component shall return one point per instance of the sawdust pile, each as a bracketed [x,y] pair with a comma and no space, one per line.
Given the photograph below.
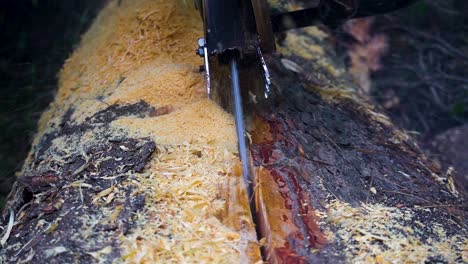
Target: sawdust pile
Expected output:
[127,36]
[373,233]
[182,185]
[143,50]
[304,44]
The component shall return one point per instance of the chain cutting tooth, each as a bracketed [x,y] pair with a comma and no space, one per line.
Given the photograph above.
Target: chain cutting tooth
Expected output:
[202,51]
[266,73]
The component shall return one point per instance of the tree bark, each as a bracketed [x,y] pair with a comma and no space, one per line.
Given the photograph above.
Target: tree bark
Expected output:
[345,185]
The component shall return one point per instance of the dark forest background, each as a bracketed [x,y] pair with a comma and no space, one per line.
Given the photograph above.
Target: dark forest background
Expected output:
[36,37]
[420,80]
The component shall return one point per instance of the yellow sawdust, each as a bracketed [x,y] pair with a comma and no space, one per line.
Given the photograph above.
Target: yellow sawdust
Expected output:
[299,45]
[373,233]
[202,122]
[172,85]
[183,187]
[316,32]
[307,44]
[126,37]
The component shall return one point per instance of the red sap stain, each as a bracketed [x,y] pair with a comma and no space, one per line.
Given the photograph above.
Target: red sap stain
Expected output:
[286,255]
[271,153]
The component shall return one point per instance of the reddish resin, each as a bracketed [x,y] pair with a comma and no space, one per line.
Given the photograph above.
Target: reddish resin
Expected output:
[268,151]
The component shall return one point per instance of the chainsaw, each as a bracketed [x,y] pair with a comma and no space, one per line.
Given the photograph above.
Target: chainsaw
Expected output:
[237,35]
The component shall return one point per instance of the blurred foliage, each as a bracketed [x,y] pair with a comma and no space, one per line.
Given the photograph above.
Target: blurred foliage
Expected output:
[426,68]
[458,109]
[36,38]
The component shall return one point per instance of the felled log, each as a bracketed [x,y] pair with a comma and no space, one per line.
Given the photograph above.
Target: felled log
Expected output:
[133,164]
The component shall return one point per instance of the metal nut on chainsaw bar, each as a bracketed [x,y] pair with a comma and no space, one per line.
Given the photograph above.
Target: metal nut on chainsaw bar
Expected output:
[201,45]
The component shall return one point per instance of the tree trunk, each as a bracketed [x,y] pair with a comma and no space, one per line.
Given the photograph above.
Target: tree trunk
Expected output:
[133,164]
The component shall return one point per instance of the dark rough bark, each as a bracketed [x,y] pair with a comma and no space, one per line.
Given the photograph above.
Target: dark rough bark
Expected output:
[450,149]
[347,148]
[55,199]
[314,150]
